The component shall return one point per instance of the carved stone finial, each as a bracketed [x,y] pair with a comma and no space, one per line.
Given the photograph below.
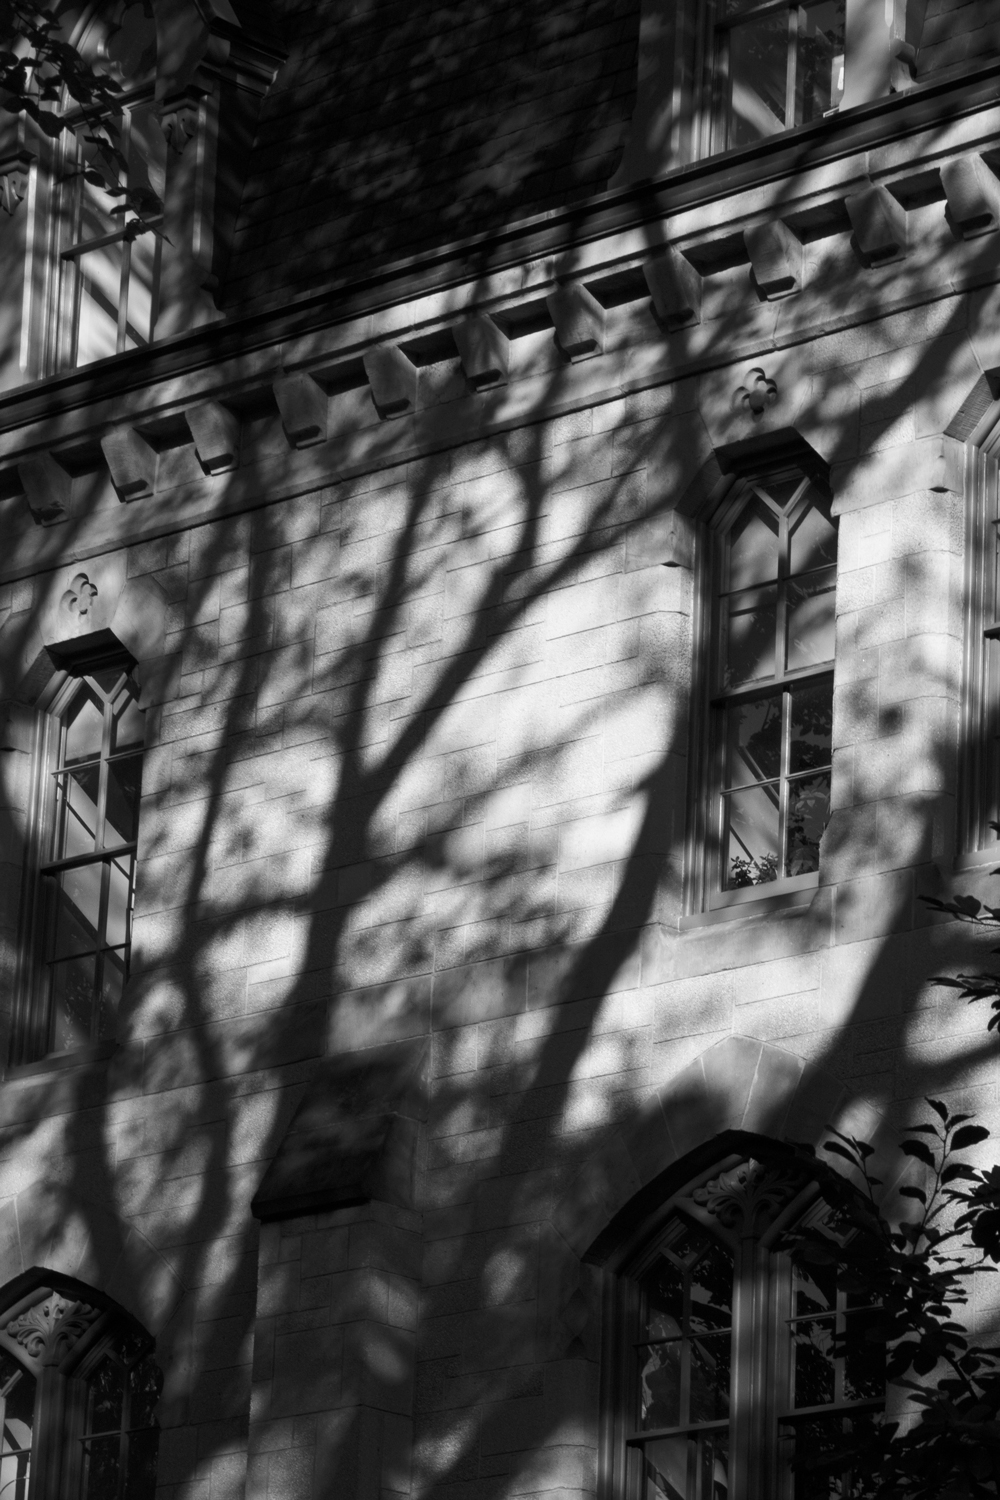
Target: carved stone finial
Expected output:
[759,392]
[747,1197]
[51,1327]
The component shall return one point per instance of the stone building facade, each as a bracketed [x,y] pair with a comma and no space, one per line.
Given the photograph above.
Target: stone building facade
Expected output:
[497,637]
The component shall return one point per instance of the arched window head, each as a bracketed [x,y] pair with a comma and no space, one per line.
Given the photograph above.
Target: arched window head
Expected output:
[722,1340]
[85,838]
[78,1395]
[770,687]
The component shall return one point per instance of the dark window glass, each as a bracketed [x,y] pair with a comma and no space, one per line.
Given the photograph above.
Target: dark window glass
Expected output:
[121,1439]
[89,878]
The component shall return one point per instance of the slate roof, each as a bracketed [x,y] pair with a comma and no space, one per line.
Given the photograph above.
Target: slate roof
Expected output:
[394,127]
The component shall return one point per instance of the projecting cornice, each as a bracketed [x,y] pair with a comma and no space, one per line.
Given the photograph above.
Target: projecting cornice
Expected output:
[738,274]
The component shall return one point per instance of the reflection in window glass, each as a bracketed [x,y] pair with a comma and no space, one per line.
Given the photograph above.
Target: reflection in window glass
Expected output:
[833,1396]
[775,745]
[777,68]
[89,879]
[684,1368]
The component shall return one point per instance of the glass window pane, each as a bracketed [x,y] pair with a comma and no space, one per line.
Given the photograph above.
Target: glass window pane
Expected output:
[811,620]
[107,1397]
[811,727]
[665,1294]
[114,962]
[76,814]
[103,1464]
[129,724]
[813,543]
[122,810]
[753,740]
[691,1466]
[820,74]
[753,548]
[750,843]
[119,903]
[758,70]
[750,642]
[660,1385]
[84,721]
[810,1440]
[145,1382]
[712,1289]
[709,1378]
[808,815]
[140,1479]
[76,901]
[100,273]
[73,984]
[864,1359]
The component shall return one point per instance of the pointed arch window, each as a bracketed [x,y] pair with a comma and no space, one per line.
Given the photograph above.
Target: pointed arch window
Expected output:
[771,687]
[78,1394]
[723,1370]
[83,885]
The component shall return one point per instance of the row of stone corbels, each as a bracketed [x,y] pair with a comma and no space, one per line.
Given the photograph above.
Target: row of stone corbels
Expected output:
[303,404]
[878,219]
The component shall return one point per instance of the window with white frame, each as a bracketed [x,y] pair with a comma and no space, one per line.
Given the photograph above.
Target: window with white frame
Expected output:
[78,1395]
[773,66]
[99,205]
[725,1367]
[83,879]
[771,686]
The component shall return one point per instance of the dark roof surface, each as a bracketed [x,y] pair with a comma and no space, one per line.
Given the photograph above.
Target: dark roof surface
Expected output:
[394,127]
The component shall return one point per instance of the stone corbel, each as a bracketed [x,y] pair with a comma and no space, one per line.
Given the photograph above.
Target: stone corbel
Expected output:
[879,224]
[131,463]
[304,407]
[484,351]
[973,194]
[579,321]
[775,259]
[47,487]
[393,381]
[675,287]
[216,434]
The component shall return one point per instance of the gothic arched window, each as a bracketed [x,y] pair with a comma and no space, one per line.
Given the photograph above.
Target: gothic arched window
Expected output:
[724,1345]
[83,884]
[78,1395]
[771,687]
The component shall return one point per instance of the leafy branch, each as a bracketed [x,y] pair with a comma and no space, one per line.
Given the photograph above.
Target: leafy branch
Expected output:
[37,66]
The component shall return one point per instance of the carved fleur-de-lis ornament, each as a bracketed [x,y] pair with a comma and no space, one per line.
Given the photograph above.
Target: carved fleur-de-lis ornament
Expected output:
[759,392]
[78,601]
